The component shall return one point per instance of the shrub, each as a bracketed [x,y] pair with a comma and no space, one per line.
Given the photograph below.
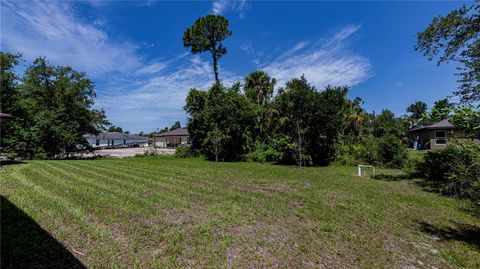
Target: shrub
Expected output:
[366,151]
[455,170]
[388,151]
[391,151]
[183,152]
[263,153]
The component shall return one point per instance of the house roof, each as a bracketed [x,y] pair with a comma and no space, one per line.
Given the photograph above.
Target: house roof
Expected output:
[176,132]
[115,135]
[441,125]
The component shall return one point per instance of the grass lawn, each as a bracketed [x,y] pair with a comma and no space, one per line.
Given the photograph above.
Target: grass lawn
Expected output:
[159,212]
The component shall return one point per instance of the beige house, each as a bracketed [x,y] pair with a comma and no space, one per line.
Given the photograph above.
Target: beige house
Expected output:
[436,136]
[172,138]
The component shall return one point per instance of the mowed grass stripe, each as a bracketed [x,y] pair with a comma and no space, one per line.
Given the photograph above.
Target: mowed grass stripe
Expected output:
[222,197]
[105,194]
[162,171]
[87,225]
[93,226]
[79,195]
[176,195]
[176,185]
[204,178]
[164,188]
[134,196]
[239,214]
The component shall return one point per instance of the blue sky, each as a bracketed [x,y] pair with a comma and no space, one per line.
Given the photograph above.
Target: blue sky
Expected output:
[133,51]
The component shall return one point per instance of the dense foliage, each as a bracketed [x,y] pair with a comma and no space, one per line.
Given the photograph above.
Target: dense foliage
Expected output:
[467,117]
[455,170]
[221,122]
[52,106]
[299,125]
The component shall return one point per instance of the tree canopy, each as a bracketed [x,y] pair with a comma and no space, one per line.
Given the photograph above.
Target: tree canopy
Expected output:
[207,34]
[52,106]
[417,110]
[456,37]
[114,128]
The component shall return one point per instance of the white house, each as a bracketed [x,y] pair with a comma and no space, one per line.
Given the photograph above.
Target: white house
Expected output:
[115,139]
[172,138]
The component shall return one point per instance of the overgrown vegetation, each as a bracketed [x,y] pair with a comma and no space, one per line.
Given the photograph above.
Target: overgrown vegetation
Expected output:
[454,170]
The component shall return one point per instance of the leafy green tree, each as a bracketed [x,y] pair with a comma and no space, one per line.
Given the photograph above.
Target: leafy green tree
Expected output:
[220,122]
[258,88]
[9,93]
[440,110]
[417,110]
[176,125]
[467,117]
[356,119]
[61,101]
[54,111]
[387,124]
[114,128]
[308,121]
[207,34]
[15,139]
[330,112]
[456,37]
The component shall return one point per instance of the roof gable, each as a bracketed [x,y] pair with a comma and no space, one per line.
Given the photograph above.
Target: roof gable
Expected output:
[441,125]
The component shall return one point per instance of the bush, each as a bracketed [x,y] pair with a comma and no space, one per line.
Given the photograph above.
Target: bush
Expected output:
[263,153]
[388,151]
[455,170]
[183,152]
[391,151]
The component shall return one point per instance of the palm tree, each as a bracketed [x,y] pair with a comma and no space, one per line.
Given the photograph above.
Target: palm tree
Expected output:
[258,87]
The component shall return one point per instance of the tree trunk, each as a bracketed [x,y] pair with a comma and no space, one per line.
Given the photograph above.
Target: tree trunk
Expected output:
[300,141]
[215,68]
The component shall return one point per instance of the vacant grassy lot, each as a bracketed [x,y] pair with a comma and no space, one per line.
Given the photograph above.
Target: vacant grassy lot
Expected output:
[167,212]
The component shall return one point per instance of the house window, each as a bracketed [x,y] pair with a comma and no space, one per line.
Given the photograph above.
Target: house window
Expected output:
[440,138]
[97,142]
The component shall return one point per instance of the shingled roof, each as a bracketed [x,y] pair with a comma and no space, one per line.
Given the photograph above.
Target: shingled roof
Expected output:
[176,132]
[441,125]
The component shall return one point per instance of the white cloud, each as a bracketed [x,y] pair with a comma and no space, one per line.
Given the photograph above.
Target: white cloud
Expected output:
[152,68]
[328,61]
[220,7]
[52,29]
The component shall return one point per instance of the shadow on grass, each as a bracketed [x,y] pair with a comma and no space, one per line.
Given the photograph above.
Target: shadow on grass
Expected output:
[24,244]
[461,232]
[4,163]
[392,177]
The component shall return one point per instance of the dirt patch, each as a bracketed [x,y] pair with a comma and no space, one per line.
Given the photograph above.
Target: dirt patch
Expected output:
[264,244]
[193,215]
